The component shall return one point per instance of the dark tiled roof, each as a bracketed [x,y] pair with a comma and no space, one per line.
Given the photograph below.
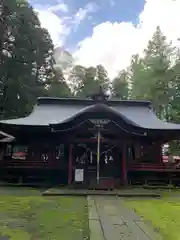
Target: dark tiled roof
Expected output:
[49,111]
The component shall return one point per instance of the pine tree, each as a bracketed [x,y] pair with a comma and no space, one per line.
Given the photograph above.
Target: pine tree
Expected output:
[155,80]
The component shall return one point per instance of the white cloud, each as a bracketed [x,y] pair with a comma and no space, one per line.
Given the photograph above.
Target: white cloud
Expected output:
[60,6]
[113,44]
[56,26]
[82,13]
[59,26]
[52,22]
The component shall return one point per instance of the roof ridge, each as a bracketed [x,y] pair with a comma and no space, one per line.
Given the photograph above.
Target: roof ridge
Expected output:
[81,101]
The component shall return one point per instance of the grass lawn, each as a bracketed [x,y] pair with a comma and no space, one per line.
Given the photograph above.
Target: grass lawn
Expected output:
[163,214]
[34,217]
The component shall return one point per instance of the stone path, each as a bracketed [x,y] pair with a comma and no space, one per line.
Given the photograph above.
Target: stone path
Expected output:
[109,219]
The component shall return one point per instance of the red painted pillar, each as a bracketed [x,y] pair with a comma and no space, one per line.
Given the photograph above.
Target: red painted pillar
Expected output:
[70,165]
[124,167]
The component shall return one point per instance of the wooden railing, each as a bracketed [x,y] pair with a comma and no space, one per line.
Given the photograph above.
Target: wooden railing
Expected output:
[153,167]
[19,163]
[23,164]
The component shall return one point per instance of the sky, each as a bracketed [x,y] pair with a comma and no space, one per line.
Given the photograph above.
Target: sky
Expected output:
[107,32]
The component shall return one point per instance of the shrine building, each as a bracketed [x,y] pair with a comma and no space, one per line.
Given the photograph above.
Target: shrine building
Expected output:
[91,143]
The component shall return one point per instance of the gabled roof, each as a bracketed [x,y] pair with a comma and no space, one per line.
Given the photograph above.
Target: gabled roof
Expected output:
[52,111]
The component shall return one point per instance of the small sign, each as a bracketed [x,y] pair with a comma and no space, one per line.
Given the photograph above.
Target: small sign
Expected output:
[79,175]
[100,123]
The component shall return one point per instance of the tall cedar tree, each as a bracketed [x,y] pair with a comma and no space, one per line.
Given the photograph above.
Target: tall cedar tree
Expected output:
[26,58]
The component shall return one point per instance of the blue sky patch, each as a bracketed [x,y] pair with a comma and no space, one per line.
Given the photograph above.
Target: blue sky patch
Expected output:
[98,11]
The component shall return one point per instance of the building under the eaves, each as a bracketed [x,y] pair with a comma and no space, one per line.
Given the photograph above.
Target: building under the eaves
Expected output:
[90,143]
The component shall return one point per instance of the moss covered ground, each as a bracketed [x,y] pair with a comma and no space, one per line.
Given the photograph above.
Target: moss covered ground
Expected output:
[26,215]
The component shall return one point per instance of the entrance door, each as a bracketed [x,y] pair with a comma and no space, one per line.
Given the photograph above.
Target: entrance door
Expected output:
[110,161]
[85,164]
[109,167]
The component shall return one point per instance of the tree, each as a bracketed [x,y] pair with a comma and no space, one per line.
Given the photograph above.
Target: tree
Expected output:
[102,77]
[120,86]
[137,79]
[76,79]
[86,81]
[26,58]
[58,86]
[155,75]
[158,56]
[175,90]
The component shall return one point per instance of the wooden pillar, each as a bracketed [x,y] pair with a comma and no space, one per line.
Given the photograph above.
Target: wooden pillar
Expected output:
[160,154]
[157,153]
[124,167]
[70,165]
